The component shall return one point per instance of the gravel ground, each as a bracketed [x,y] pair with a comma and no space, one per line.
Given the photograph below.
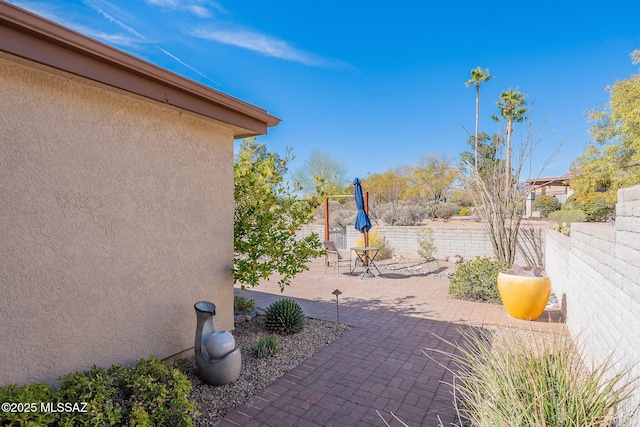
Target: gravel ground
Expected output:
[417,267]
[214,403]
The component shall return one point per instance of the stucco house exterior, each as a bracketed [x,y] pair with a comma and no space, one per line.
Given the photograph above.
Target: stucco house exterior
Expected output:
[553,186]
[116,202]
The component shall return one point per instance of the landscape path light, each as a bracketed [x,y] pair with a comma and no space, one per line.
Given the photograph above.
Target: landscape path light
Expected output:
[336,293]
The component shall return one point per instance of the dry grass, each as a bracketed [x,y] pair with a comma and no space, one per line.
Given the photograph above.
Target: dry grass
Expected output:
[508,378]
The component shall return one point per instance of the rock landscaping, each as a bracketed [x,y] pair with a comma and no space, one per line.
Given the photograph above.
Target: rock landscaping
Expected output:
[213,403]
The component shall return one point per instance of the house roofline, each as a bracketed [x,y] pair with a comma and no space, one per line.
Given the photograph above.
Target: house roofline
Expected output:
[32,37]
[561,180]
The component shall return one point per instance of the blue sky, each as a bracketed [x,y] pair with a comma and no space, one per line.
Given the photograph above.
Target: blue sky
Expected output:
[379,84]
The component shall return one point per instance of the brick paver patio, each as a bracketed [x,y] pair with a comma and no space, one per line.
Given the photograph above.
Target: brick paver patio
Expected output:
[379,365]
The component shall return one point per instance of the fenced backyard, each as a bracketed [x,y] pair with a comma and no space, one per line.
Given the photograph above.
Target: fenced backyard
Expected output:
[595,273]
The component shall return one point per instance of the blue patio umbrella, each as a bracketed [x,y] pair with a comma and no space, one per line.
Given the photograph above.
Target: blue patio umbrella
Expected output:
[363,223]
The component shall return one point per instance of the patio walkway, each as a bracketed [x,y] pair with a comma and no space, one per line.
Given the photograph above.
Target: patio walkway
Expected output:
[379,365]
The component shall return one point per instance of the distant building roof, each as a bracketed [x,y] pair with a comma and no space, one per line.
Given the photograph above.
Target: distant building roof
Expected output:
[558,180]
[32,37]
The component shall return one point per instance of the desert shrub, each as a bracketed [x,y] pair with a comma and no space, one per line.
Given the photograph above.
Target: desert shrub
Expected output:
[545,205]
[403,214]
[426,246]
[284,316]
[342,212]
[477,280]
[150,393]
[104,391]
[445,210]
[563,228]
[160,393]
[596,206]
[599,209]
[376,241]
[517,378]
[465,212]
[410,214]
[564,217]
[28,394]
[243,304]
[567,216]
[267,346]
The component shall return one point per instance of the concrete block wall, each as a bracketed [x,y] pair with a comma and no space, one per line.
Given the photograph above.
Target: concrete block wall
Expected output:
[596,274]
[467,241]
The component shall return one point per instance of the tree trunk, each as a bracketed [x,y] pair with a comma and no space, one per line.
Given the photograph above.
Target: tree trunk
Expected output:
[477,118]
[508,157]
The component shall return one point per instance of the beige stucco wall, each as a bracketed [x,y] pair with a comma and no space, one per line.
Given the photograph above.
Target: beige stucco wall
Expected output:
[116,216]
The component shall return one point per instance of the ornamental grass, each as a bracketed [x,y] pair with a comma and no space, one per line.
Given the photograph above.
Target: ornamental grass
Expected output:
[508,378]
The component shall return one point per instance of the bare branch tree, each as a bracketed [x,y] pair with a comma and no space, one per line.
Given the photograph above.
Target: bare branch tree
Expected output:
[501,207]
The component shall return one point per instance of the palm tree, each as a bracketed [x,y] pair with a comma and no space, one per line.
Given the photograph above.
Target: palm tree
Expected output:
[478,76]
[512,109]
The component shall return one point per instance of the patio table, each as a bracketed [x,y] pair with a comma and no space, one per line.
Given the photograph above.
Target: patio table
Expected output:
[366,255]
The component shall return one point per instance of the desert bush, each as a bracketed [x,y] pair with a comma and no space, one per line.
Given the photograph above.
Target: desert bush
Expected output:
[445,210]
[564,217]
[150,393]
[599,209]
[402,214]
[284,316]
[567,216]
[596,206]
[342,218]
[243,304]
[465,212]
[426,245]
[517,378]
[545,205]
[477,280]
[376,241]
[407,215]
[28,394]
[267,346]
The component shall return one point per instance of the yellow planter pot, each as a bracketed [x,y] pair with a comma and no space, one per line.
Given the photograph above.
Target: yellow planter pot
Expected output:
[524,297]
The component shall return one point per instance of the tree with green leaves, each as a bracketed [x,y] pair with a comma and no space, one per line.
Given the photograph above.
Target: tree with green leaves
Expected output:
[322,166]
[612,160]
[487,151]
[387,188]
[266,217]
[512,106]
[430,179]
[478,76]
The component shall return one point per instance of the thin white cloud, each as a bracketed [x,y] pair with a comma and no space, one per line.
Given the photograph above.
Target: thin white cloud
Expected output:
[261,43]
[187,65]
[50,12]
[110,39]
[199,11]
[114,20]
[200,8]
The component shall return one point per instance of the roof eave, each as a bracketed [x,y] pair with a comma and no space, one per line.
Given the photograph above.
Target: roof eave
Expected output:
[32,37]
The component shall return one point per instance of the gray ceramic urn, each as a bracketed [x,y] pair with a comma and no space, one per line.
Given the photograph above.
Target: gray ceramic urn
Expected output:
[217,357]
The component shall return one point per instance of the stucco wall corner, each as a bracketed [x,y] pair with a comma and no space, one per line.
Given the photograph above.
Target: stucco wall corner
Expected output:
[117,216]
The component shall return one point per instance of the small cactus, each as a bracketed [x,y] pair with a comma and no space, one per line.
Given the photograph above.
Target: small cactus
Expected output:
[242,304]
[284,316]
[267,346]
